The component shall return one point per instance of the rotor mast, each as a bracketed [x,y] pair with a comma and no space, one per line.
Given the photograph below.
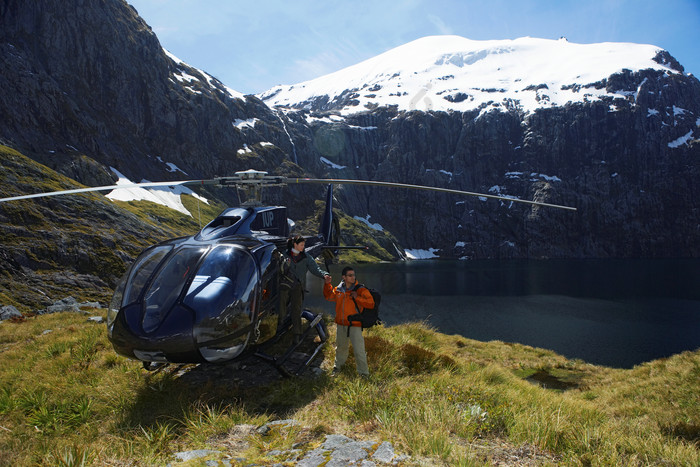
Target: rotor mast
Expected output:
[251,182]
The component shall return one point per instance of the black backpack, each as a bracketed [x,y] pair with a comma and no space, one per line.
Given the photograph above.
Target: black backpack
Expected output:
[369,316]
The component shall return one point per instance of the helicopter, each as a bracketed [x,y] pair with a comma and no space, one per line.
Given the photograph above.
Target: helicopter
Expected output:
[213,297]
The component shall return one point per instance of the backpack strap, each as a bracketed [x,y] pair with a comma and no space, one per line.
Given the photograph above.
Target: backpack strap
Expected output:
[358,286]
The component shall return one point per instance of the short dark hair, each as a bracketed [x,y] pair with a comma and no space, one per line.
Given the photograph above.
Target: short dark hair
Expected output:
[346,269]
[295,240]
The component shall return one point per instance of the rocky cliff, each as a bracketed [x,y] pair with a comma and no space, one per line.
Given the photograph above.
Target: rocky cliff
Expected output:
[90,78]
[630,167]
[624,150]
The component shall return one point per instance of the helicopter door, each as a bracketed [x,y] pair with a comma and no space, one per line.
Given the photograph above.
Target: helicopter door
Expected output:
[222,295]
[268,322]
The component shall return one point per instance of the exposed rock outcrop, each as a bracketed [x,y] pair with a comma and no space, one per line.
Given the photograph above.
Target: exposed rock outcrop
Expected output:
[91,78]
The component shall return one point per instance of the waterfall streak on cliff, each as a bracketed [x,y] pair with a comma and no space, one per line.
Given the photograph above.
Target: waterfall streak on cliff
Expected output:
[284,126]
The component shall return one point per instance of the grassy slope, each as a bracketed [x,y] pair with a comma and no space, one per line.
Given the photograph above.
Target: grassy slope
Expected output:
[444,400]
[354,233]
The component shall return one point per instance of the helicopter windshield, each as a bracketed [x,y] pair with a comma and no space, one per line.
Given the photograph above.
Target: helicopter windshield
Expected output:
[222,294]
[141,272]
[167,285]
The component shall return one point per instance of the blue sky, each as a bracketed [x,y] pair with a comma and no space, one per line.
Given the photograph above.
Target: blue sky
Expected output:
[252,46]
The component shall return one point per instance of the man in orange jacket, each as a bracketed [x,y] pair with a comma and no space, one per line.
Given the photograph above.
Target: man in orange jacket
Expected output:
[349,300]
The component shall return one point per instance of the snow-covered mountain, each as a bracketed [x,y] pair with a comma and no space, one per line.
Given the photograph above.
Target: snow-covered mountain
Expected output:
[611,128]
[87,90]
[444,73]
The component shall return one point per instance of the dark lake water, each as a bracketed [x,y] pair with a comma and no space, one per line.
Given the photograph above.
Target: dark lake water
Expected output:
[617,313]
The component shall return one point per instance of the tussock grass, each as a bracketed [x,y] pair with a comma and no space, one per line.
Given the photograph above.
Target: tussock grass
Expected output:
[67,399]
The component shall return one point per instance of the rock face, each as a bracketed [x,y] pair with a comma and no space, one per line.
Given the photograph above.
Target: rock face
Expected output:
[82,77]
[621,146]
[631,173]
[86,86]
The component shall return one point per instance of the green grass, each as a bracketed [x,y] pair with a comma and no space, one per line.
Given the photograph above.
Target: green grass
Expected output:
[80,245]
[67,399]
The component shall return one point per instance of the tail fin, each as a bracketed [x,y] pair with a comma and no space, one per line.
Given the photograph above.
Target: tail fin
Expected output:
[326,232]
[330,230]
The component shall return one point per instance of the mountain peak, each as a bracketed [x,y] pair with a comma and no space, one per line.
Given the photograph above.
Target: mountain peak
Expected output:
[455,73]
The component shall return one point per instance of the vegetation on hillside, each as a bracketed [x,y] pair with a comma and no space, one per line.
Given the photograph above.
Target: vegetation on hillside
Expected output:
[381,245]
[67,399]
[75,245]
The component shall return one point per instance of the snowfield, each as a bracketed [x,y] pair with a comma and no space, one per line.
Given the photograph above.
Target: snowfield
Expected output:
[453,73]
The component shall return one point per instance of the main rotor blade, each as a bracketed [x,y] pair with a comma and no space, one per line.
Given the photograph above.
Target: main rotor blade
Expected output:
[421,187]
[258,178]
[110,187]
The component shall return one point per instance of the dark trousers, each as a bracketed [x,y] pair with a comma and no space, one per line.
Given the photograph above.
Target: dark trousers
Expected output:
[295,296]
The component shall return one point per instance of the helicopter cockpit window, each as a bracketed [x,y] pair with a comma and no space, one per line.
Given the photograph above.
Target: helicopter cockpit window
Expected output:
[116,303]
[141,271]
[167,285]
[229,221]
[222,294]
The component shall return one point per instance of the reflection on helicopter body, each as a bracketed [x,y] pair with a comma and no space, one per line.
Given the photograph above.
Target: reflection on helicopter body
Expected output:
[184,301]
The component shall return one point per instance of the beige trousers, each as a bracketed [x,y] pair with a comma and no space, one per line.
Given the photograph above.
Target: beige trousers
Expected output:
[342,348]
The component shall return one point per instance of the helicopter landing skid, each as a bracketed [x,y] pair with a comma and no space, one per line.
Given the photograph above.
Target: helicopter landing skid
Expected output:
[316,324]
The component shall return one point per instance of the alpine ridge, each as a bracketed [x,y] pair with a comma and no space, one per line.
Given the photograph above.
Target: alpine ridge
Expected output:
[452,73]
[91,78]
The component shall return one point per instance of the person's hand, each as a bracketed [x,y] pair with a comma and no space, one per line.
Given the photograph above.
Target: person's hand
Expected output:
[327,278]
[353,294]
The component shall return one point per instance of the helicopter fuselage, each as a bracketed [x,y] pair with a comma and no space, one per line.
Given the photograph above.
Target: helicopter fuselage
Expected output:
[204,298]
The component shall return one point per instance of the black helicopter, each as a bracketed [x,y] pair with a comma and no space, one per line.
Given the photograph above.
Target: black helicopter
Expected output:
[213,297]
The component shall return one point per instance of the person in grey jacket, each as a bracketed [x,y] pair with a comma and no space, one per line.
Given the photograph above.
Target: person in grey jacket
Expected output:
[293,282]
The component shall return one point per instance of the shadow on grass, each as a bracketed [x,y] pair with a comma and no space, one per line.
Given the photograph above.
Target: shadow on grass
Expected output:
[548,381]
[251,386]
